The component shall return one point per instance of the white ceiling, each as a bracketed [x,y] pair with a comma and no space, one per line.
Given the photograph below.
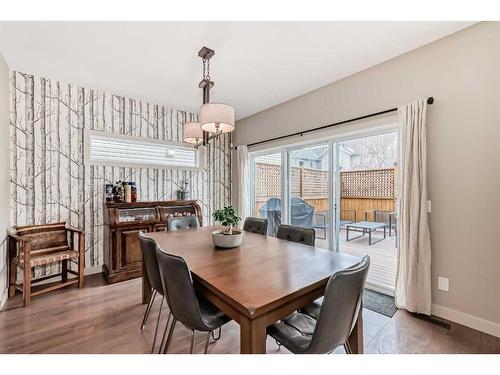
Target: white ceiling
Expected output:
[256,64]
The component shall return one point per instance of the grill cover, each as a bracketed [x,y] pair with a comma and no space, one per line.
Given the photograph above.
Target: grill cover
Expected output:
[301,214]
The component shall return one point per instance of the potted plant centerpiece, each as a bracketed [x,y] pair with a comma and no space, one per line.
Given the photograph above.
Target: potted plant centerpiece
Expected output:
[228,237]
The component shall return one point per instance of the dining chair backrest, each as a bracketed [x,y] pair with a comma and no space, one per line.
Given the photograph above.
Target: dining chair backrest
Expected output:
[255,225]
[340,308]
[148,249]
[181,297]
[296,234]
[183,222]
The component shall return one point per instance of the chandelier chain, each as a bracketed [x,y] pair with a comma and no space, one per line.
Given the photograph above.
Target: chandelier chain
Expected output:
[206,69]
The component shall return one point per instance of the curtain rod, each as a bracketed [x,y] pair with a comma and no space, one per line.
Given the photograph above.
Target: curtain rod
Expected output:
[430,100]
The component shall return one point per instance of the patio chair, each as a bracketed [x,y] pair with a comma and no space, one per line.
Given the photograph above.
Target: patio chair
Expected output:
[319,224]
[386,217]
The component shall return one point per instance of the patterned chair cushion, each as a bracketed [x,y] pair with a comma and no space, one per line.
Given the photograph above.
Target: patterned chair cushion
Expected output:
[49,258]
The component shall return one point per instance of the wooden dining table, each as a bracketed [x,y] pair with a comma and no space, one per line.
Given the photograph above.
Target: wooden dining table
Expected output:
[257,283]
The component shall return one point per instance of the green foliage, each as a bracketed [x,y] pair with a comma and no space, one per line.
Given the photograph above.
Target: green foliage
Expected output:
[226,216]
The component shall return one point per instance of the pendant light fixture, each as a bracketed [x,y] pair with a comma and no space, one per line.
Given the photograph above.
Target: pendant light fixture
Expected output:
[215,118]
[193,132]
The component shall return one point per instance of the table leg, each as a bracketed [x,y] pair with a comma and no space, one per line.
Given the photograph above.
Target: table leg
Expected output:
[253,336]
[146,286]
[363,232]
[356,338]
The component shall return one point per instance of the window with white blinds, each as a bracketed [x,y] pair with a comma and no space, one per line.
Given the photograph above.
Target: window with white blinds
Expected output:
[120,150]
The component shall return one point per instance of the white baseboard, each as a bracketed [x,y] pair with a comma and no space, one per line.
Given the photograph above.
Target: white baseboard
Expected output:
[3,297]
[471,321]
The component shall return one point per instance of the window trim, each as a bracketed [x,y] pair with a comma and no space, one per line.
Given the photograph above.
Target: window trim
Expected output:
[89,162]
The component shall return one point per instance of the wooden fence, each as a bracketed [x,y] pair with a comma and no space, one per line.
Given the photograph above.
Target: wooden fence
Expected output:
[373,184]
[361,191]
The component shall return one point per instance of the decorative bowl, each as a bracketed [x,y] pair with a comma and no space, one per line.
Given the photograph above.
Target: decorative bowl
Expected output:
[227,241]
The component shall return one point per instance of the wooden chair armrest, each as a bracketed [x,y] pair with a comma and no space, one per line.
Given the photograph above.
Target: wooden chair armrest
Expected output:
[24,249]
[17,238]
[81,238]
[73,229]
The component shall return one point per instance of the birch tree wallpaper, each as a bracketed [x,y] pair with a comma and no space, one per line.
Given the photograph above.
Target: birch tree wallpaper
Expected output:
[49,179]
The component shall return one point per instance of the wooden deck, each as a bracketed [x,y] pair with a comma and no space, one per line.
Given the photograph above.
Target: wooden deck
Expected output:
[383,258]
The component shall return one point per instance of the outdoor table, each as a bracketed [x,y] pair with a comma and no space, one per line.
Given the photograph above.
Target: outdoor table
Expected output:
[365,227]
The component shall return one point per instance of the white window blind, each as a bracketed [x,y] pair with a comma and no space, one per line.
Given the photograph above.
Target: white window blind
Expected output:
[122,150]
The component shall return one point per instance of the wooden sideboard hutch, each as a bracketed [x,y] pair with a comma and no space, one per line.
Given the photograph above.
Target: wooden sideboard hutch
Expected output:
[124,221]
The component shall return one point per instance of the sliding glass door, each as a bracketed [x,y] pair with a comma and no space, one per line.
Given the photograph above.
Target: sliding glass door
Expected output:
[345,188]
[309,191]
[366,201]
[266,189]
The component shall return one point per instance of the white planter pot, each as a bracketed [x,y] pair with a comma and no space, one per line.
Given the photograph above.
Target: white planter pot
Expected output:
[227,241]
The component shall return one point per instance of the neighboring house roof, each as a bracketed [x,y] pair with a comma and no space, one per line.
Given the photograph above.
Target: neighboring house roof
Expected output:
[346,149]
[310,154]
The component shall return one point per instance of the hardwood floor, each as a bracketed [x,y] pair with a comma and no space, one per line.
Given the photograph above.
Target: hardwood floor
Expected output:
[103,318]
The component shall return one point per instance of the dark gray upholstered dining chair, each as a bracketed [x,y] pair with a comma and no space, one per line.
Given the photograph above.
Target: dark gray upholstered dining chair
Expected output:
[296,234]
[255,225]
[148,249]
[182,222]
[302,334]
[194,312]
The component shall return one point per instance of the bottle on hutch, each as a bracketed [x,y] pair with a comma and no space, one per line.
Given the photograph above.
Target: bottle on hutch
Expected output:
[133,191]
[118,191]
[127,192]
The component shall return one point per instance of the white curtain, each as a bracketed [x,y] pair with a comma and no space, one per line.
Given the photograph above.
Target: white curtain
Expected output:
[242,204]
[413,283]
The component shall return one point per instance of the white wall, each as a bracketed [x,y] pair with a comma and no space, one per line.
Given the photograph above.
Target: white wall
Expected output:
[4,175]
[462,72]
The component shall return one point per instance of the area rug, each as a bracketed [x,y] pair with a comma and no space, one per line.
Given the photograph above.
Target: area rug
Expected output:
[380,303]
